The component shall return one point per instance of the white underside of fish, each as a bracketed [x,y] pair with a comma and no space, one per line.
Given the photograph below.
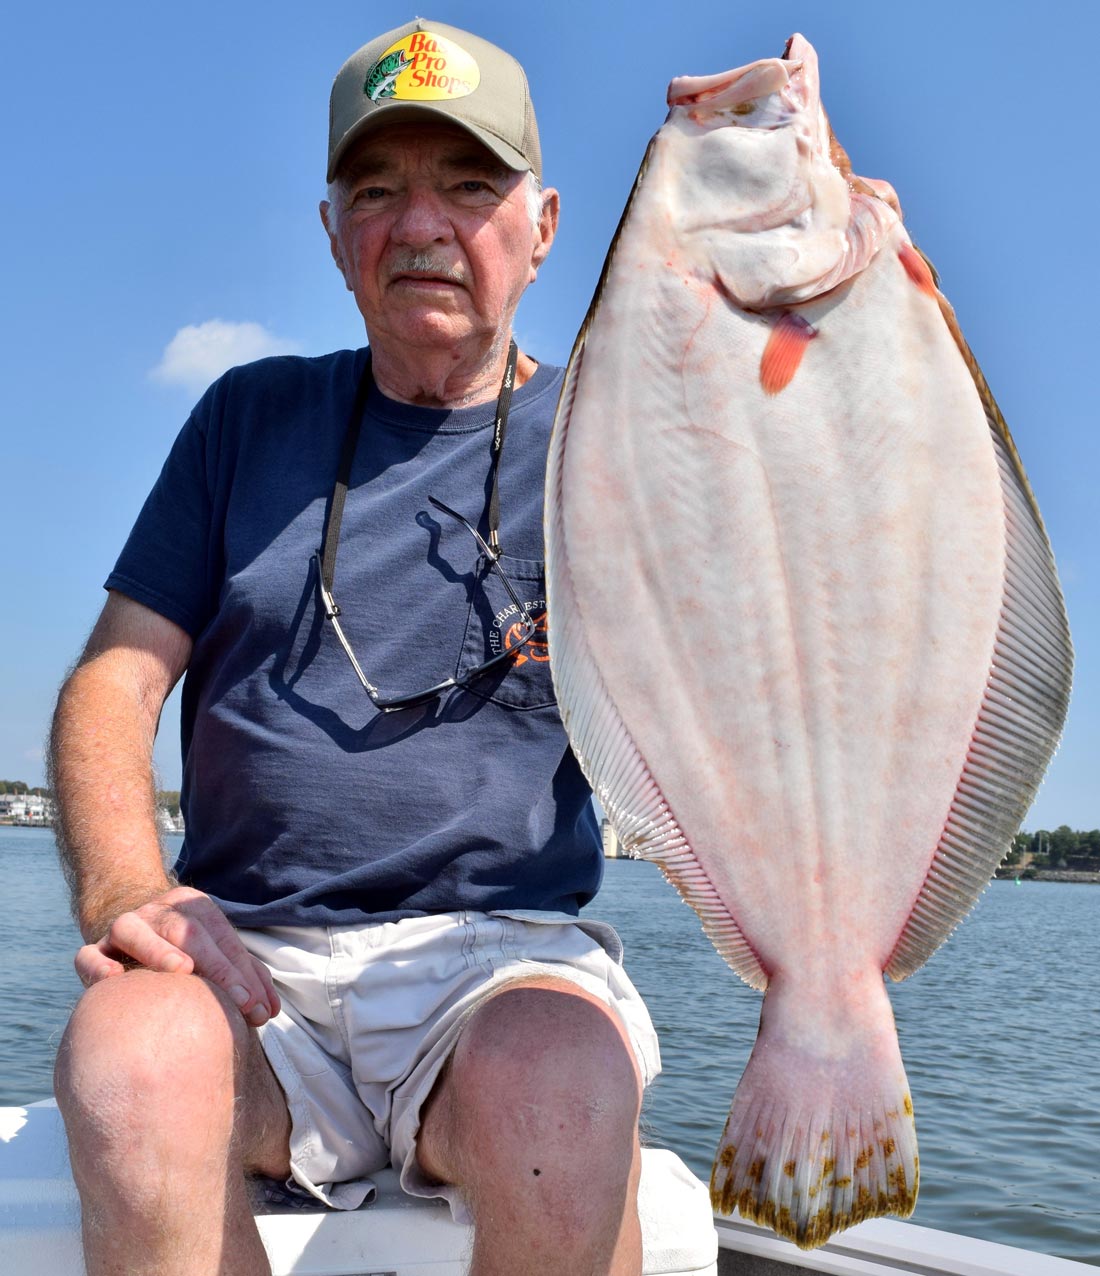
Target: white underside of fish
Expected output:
[811,652]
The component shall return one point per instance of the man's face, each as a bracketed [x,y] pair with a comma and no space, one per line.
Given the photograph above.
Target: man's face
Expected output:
[433,237]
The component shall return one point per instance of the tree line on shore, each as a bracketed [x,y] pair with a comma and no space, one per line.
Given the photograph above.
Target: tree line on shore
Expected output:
[169,800]
[1061,848]
[21,789]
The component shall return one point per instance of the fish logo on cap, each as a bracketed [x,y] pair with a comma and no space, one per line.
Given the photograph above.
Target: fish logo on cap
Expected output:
[423,66]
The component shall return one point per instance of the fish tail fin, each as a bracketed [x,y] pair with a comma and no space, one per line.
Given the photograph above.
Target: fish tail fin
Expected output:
[819,1136]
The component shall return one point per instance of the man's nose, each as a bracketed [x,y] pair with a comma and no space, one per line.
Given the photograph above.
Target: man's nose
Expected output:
[422,220]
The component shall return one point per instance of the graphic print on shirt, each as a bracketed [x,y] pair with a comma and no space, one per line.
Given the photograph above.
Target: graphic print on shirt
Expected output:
[507,632]
[495,626]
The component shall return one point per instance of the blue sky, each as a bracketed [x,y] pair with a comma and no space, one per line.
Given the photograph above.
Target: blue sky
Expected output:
[163,166]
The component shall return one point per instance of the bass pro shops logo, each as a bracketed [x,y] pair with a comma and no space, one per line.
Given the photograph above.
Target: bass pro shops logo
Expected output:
[422,67]
[507,628]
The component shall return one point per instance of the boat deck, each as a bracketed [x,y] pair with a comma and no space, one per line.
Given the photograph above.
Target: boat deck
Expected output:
[398,1235]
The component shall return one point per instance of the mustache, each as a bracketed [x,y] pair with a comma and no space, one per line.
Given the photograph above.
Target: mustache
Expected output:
[425,263]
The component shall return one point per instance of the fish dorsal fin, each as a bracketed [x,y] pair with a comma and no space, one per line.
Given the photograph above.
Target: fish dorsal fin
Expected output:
[620,776]
[993,414]
[1021,715]
[594,304]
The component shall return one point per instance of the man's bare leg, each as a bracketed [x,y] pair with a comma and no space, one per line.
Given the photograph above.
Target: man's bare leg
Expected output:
[536,1120]
[168,1101]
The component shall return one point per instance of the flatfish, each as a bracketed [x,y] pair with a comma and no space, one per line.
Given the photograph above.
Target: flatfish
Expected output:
[805,626]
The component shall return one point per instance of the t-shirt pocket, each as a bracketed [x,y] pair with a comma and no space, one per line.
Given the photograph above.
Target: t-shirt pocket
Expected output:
[494,626]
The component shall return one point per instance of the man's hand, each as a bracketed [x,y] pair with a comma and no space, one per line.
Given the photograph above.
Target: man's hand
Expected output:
[183,932]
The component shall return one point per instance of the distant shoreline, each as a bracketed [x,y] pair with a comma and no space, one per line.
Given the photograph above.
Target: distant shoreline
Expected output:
[1006,873]
[1079,875]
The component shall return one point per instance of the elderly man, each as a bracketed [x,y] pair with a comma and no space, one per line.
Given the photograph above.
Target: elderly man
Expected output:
[370,947]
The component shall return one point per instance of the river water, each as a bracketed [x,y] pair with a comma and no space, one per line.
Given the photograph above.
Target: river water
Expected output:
[999,1031]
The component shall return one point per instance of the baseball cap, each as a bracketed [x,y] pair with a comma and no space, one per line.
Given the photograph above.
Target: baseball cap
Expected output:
[426,70]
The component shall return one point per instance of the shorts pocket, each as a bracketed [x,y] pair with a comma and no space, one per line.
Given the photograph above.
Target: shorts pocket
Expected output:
[492,628]
[603,933]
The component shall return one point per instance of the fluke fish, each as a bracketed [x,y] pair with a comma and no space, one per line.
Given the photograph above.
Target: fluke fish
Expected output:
[805,626]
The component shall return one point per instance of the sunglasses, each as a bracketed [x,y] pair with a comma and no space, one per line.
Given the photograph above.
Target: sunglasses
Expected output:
[526,626]
[325,557]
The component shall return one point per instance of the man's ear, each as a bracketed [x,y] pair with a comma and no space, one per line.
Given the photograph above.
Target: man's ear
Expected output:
[326,211]
[547,228]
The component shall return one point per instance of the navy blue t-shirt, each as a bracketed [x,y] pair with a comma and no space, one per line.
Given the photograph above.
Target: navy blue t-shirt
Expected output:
[304,805]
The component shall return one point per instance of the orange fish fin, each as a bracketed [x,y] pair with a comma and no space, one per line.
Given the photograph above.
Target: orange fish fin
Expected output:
[784,351]
[917,269]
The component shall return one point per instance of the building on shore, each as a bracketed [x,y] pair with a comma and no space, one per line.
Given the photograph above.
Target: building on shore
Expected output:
[612,848]
[169,823]
[26,808]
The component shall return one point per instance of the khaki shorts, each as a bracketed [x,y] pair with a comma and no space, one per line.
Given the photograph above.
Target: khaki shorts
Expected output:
[370,1015]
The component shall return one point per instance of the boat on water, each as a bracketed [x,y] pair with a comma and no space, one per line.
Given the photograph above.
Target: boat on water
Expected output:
[399,1235]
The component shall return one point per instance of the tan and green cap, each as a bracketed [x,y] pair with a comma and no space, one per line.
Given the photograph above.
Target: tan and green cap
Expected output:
[427,70]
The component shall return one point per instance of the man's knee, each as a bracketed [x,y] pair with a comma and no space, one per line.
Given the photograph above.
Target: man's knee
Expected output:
[540,1073]
[141,1048]
[536,1035]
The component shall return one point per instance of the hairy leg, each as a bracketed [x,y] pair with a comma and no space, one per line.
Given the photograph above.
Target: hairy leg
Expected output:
[535,1119]
[168,1102]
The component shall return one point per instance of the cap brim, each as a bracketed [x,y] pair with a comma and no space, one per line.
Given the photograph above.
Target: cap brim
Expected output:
[412,112]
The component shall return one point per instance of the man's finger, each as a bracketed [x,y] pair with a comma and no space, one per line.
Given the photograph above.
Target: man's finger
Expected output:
[274,1005]
[262,995]
[189,929]
[251,988]
[92,965]
[132,936]
[185,932]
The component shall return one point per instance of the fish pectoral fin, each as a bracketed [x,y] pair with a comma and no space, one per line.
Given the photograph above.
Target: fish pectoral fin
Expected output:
[918,269]
[783,353]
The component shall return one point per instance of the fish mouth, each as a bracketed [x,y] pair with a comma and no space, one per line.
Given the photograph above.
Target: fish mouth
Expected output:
[770,94]
[796,49]
[789,81]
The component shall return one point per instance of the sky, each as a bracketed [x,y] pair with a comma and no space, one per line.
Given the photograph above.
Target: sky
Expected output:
[158,217]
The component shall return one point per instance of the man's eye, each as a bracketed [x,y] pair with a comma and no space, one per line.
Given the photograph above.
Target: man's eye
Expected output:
[368,193]
[473,185]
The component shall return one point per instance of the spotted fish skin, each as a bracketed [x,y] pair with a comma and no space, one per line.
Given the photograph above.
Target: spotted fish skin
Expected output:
[805,626]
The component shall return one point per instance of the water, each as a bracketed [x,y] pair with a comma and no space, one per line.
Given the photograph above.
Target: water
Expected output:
[38,939]
[999,1034]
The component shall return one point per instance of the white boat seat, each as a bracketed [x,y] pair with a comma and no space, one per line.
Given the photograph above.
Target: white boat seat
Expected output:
[395,1235]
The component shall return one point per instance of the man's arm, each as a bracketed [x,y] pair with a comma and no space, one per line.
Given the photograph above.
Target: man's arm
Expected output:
[101,750]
